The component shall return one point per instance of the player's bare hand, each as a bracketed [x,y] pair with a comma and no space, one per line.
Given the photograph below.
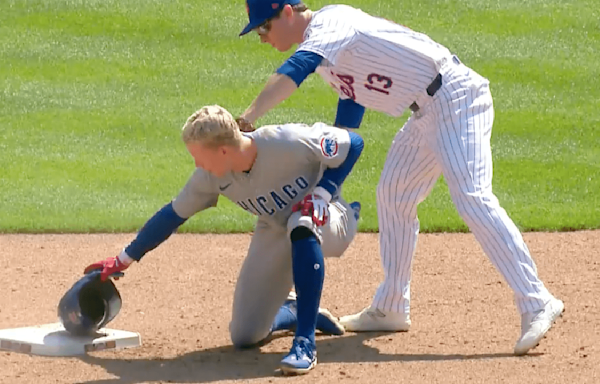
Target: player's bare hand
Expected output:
[315,206]
[110,267]
[245,125]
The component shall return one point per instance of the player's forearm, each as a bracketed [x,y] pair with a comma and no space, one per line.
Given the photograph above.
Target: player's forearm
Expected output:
[154,232]
[278,88]
[334,177]
[349,114]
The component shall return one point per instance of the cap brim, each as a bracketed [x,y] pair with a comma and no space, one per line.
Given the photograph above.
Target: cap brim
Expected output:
[248,28]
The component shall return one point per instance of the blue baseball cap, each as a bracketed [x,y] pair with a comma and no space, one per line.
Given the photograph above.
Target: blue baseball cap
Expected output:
[260,11]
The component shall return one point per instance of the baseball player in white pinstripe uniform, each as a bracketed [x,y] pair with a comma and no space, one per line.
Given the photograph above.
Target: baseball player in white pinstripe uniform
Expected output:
[374,63]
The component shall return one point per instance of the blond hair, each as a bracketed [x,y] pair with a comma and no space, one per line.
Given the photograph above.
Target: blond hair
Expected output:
[212,126]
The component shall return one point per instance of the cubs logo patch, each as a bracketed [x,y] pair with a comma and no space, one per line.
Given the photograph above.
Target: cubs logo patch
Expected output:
[329,147]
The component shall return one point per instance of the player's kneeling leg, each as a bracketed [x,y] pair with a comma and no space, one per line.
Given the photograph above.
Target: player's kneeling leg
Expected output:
[245,335]
[308,272]
[308,269]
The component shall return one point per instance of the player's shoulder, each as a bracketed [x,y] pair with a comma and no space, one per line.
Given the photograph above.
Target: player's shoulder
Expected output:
[276,136]
[334,9]
[333,13]
[200,175]
[280,132]
[291,131]
[279,140]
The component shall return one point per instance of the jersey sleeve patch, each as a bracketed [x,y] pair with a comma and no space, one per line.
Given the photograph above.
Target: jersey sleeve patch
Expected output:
[329,147]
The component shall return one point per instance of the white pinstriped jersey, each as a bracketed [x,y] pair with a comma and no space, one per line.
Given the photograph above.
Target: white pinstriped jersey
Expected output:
[379,64]
[386,67]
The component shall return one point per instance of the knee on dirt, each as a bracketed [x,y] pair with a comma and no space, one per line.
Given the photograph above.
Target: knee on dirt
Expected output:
[245,335]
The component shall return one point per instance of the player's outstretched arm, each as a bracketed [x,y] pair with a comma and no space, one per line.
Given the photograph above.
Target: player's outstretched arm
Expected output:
[278,88]
[153,233]
[282,84]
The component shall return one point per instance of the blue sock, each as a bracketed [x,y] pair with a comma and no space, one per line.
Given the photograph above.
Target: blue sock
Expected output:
[309,273]
[286,318]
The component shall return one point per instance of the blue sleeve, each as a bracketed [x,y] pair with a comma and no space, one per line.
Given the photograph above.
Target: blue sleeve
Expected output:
[334,177]
[300,65]
[154,232]
[349,114]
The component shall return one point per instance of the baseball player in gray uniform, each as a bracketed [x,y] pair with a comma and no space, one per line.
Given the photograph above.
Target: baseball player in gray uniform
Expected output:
[375,63]
[290,177]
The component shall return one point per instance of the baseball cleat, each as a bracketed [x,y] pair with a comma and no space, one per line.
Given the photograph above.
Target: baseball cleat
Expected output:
[372,319]
[301,359]
[534,326]
[327,324]
[356,207]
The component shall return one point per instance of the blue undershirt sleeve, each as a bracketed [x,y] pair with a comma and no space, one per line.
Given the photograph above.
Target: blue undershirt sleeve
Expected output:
[300,65]
[334,177]
[154,232]
[349,114]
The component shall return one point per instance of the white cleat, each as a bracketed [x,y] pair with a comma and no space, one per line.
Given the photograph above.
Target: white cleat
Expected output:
[534,326]
[372,319]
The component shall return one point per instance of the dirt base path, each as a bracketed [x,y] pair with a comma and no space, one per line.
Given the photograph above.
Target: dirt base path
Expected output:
[179,298]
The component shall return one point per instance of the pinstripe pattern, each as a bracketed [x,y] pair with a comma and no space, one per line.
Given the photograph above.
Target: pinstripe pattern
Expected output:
[466,158]
[386,67]
[356,45]
[451,135]
[408,176]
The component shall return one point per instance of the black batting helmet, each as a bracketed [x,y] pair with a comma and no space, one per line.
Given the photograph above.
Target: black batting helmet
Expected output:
[89,305]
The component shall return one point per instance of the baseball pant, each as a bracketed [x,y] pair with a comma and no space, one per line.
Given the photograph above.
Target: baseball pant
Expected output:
[450,135]
[266,275]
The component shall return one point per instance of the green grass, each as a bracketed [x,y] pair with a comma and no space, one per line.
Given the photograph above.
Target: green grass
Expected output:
[93,93]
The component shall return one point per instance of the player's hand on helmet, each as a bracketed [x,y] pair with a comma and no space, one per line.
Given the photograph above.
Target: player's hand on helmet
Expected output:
[316,205]
[111,267]
[244,125]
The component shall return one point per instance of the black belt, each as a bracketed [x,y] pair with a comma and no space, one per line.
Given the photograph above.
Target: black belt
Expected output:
[435,85]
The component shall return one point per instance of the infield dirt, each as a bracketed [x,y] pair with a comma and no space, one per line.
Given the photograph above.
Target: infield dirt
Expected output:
[179,299]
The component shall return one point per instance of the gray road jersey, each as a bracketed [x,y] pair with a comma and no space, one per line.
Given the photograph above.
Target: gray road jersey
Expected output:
[290,161]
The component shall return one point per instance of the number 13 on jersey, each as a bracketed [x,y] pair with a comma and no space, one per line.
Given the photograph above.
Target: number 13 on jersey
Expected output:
[374,82]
